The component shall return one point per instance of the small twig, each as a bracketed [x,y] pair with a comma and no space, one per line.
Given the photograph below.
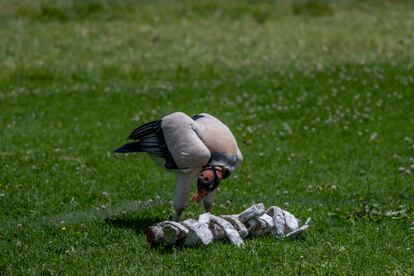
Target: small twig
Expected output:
[300,266]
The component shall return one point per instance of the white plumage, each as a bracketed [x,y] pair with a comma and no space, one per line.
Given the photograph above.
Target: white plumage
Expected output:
[189,146]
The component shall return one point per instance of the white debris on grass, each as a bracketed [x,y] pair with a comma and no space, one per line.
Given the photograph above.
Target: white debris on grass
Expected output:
[394,214]
[254,221]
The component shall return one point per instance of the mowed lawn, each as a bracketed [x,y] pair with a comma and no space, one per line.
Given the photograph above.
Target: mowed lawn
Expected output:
[320,96]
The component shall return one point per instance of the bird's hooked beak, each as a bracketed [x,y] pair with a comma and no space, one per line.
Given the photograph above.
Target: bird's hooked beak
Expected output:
[201,193]
[208,180]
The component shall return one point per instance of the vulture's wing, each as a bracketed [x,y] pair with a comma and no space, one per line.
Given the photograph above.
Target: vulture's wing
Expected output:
[186,148]
[149,138]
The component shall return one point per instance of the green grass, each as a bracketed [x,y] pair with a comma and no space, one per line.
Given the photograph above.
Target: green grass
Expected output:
[319,95]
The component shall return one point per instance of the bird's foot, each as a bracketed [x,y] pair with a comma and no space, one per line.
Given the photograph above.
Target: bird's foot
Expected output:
[174,217]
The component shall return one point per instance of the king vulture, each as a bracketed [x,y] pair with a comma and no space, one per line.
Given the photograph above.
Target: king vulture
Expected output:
[199,147]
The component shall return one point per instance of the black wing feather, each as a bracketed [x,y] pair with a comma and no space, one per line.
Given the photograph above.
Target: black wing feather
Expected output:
[129,147]
[151,140]
[145,129]
[196,117]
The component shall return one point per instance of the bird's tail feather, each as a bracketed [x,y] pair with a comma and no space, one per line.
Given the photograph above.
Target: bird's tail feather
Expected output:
[129,147]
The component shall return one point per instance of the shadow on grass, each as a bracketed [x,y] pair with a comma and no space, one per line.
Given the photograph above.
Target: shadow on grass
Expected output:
[137,224]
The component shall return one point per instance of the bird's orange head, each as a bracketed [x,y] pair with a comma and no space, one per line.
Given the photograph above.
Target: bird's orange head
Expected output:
[208,180]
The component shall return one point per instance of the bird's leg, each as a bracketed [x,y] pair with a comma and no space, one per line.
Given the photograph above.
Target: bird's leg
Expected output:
[208,201]
[182,188]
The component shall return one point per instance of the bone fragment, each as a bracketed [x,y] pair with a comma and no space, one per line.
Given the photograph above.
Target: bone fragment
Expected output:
[237,224]
[154,234]
[198,231]
[251,212]
[229,229]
